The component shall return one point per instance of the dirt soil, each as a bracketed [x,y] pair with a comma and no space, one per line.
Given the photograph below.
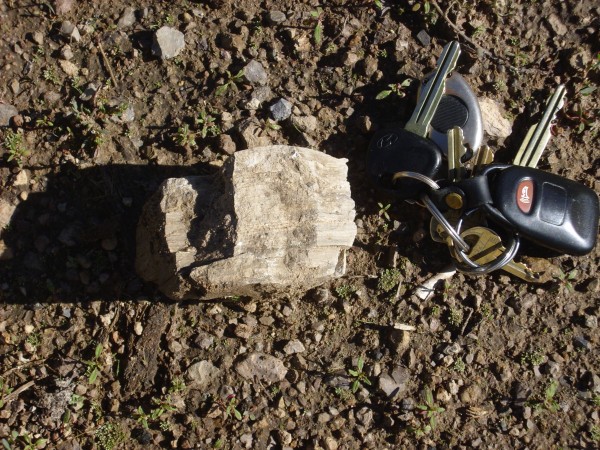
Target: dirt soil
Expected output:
[92,357]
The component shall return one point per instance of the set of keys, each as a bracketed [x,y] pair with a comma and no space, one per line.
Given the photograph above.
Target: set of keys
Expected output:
[481,209]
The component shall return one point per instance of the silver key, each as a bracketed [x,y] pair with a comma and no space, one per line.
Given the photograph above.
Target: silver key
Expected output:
[427,103]
[456,150]
[539,134]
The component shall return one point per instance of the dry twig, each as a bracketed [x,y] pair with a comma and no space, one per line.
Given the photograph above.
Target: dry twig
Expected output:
[106,63]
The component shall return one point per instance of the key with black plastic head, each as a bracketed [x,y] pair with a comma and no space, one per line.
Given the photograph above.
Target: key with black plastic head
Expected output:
[408,149]
[547,209]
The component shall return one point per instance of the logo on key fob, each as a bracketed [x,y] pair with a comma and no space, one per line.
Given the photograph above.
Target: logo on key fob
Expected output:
[387,140]
[525,195]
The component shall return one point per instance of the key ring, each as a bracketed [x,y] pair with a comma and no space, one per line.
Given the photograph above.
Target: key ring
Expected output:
[435,212]
[499,263]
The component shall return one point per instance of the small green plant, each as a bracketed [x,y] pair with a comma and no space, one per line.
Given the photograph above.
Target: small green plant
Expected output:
[435,311]
[430,15]
[93,365]
[343,394]
[24,442]
[34,339]
[564,280]
[532,357]
[429,411]
[109,435]
[595,433]
[162,406]
[272,125]
[383,211]
[394,88]
[455,317]
[5,390]
[231,407]
[49,74]
[317,14]
[207,125]
[44,122]
[459,365]
[388,280]
[500,86]
[177,385]
[16,149]
[76,401]
[230,83]
[479,30]
[360,377]
[596,400]
[345,291]
[548,403]
[185,137]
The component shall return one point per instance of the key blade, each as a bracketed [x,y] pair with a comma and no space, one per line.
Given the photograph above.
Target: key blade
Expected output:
[456,150]
[522,271]
[538,135]
[431,94]
[489,247]
[485,156]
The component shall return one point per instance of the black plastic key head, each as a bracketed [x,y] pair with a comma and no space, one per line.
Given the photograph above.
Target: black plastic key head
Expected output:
[397,150]
[551,211]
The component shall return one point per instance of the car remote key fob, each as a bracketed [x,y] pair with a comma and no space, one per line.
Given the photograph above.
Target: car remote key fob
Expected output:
[551,211]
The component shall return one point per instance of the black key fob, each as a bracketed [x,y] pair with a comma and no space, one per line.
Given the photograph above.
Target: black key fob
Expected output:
[551,211]
[397,150]
[458,107]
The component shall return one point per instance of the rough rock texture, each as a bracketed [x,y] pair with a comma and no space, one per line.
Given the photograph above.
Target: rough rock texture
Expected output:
[168,43]
[494,121]
[263,367]
[276,219]
[7,112]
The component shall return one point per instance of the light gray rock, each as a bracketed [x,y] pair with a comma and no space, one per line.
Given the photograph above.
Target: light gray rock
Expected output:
[494,120]
[7,210]
[306,124]
[38,37]
[557,25]
[394,384]
[70,31]
[294,346]
[66,53]
[200,375]
[277,219]
[281,109]
[276,17]
[7,112]
[127,18]
[168,43]
[255,73]
[424,38]
[262,367]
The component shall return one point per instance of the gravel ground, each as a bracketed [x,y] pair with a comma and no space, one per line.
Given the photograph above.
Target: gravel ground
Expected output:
[101,101]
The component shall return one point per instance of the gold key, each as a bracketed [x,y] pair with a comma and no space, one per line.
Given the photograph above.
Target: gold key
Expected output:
[485,156]
[486,247]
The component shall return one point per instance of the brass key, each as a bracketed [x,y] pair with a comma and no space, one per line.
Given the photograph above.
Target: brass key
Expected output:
[486,246]
[539,134]
[485,156]
[456,150]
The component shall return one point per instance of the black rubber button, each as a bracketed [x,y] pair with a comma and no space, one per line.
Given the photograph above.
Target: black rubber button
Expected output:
[451,112]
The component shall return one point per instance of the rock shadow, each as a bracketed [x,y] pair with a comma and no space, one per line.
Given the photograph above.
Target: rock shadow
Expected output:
[76,240]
